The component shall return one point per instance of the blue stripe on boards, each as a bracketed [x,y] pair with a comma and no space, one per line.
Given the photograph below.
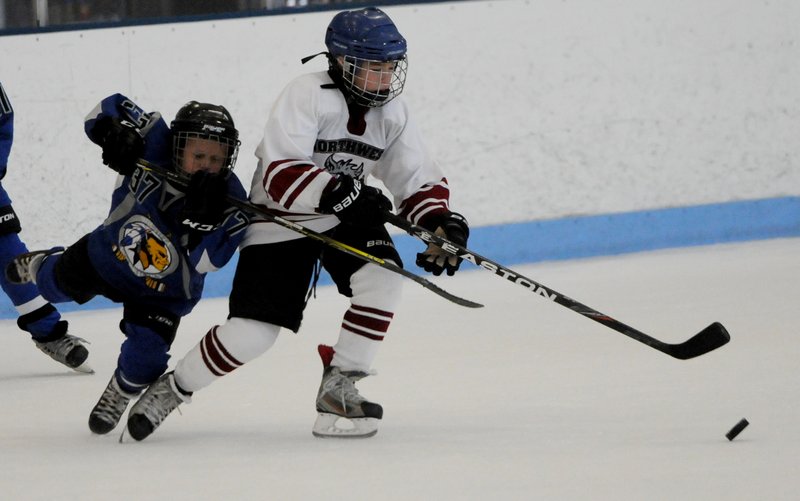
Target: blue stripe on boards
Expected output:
[578,237]
[610,234]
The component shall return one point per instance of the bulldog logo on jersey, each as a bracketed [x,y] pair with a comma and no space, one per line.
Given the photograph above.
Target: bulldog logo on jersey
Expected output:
[148,252]
[344,166]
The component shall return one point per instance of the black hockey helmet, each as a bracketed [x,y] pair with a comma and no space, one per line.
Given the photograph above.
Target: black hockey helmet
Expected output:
[204,121]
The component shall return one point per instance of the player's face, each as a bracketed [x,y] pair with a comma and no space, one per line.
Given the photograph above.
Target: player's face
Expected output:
[204,155]
[375,76]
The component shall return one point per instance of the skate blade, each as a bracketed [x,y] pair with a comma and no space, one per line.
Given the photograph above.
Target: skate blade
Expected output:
[333,426]
[85,368]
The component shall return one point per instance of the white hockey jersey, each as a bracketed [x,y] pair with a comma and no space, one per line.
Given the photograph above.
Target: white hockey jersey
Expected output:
[310,137]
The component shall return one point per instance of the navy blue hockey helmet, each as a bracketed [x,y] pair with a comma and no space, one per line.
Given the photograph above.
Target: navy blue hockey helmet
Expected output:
[365,33]
[365,47]
[205,121]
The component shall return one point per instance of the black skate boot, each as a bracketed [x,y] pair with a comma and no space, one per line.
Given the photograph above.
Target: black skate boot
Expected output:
[109,409]
[160,399]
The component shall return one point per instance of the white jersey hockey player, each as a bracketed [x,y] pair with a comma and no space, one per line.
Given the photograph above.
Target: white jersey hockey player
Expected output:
[328,133]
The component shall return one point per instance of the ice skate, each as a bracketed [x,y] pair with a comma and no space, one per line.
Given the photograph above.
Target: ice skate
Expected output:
[109,408]
[23,268]
[341,411]
[68,350]
[160,399]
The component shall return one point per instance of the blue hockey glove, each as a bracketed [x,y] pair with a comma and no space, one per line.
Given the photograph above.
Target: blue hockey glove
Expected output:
[353,202]
[452,226]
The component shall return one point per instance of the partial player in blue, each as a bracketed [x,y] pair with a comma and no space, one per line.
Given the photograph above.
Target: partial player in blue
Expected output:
[160,238]
[36,315]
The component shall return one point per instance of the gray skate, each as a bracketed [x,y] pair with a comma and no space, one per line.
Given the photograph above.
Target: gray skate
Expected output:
[160,399]
[68,350]
[109,409]
[23,268]
[341,410]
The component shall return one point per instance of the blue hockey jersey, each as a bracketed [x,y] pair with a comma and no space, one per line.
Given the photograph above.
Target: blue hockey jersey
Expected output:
[142,249]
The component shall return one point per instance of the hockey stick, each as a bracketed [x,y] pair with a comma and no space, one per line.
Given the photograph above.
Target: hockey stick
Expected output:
[347,249]
[710,338]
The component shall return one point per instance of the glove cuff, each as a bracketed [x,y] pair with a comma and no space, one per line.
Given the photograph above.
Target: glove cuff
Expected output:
[444,218]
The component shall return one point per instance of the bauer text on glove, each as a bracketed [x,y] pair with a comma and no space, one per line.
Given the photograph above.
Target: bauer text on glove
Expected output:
[353,202]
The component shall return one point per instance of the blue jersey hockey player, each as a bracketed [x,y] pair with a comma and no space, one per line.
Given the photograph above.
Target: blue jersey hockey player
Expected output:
[158,241]
[36,315]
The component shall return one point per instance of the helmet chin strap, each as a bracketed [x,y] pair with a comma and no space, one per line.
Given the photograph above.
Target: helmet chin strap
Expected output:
[309,58]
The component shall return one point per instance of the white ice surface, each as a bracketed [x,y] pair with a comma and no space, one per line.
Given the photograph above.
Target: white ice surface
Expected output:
[522,399]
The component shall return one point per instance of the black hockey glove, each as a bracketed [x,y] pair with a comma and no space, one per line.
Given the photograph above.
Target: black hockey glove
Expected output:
[355,203]
[205,203]
[452,226]
[122,144]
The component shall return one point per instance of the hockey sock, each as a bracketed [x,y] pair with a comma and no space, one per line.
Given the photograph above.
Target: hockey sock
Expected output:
[222,350]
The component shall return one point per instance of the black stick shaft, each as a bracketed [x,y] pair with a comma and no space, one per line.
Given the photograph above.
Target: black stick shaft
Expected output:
[708,339]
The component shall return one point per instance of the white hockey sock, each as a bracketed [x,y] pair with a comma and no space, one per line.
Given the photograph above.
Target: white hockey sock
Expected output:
[376,294]
[354,352]
[222,350]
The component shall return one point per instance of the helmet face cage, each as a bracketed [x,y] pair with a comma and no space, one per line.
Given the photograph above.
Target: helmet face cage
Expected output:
[207,122]
[231,147]
[370,82]
[369,53]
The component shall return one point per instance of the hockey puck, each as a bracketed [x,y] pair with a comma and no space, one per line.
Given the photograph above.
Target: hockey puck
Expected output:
[741,425]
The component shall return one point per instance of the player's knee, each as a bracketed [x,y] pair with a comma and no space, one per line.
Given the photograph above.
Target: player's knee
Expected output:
[245,338]
[379,284]
[162,323]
